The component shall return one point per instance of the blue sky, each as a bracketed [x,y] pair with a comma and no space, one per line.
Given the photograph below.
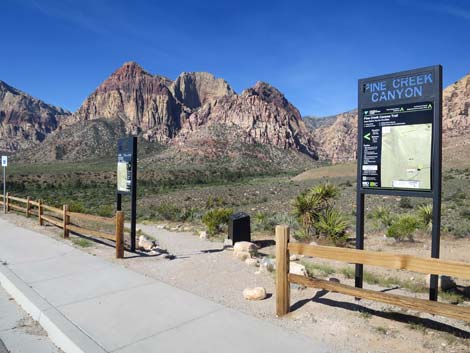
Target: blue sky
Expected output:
[313,51]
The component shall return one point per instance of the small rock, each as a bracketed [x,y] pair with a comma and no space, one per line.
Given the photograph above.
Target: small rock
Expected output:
[252,262]
[294,258]
[313,243]
[297,269]
[203,235]
[257,293]
[161,226]
[444,283]
[145,243]
[267,264]
[334,279]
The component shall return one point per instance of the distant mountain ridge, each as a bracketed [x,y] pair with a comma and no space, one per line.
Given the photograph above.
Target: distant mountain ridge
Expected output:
[25,120]
[196,114]
[174,113]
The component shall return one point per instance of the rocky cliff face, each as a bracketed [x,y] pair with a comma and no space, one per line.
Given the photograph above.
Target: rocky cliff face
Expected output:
[24,120]
[338,139]
[143,101]
[456,108]
[261,114]
[173,112]
[194,89]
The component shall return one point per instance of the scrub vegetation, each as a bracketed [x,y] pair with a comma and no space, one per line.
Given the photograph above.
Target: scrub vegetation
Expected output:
[326,198]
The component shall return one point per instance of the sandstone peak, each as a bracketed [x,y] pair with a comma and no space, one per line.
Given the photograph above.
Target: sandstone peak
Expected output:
[268,94]
[194,89]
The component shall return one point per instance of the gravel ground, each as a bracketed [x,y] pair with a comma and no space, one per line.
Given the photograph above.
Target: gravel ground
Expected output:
[202,267]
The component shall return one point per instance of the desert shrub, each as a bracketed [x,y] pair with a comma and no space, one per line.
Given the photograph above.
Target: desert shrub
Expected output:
[77,206]
[333,225]
[106,210]
[170,212]
[213,219]
[465,213]
[213,202]
[405,202]
[403,227]
[425,216]
[383,215]
[264,221]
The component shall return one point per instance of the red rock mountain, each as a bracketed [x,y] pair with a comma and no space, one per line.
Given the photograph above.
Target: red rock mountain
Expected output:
[338,138]
[25,120]
[177,111]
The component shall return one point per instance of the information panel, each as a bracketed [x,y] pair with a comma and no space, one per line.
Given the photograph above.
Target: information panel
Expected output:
[397,146]
[124,165]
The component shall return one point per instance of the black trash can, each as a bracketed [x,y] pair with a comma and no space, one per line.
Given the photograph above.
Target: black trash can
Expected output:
[239,228]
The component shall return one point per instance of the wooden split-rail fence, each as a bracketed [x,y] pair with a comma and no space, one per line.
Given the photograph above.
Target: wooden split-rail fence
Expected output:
[64,218]
[382,259]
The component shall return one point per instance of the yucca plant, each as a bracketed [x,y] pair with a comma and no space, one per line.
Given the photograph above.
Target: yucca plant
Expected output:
[383,215]
[425,216]
[310,205]
[333,224]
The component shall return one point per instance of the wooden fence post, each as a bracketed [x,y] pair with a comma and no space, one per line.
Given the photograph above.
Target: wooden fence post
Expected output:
[66,220]
[28,206]
[282,270]
[119,235]
[40,211]
[7,204]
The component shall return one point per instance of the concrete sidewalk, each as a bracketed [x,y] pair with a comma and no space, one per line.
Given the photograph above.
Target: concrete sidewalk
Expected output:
[88,304]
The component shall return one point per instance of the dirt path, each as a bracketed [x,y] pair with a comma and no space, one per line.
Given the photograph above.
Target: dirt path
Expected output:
[200,267]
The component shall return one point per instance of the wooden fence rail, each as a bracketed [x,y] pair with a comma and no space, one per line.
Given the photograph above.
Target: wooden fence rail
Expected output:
[62,218]
[389,260]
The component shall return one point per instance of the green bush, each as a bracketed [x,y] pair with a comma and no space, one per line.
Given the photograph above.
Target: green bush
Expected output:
[403,227]
[333,225]
[425,216]
[77,206]
[264,221]
[311,204]
[383,215]
[213,219]
[106,210]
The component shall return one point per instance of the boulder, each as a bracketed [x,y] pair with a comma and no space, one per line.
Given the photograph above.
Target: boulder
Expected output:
[445,282]
[297,269]
[145,243]
[257,293]
[252,262]
[294,258]
[203,235]
[242,255]
[245,246]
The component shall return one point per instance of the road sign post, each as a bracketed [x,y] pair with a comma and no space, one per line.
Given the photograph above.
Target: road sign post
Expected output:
[400,145]
[4,166]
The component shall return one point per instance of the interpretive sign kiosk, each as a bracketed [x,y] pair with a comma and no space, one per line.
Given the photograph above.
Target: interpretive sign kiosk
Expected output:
[127,179]
[400,145]
[4,167]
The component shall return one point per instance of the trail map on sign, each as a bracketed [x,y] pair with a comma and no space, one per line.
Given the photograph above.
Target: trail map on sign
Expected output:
[397,146]
[406,156]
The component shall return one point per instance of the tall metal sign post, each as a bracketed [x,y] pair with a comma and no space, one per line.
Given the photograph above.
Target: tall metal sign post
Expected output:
[127,179]
[4,166]
[400,145]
